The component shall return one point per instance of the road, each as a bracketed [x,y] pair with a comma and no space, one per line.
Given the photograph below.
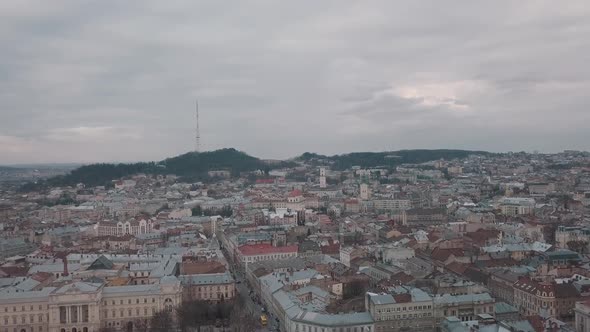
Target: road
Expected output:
[254,308]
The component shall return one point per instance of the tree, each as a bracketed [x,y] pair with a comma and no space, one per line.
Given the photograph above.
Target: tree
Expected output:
[578,246]
[162,321]
[241,320]
[354,288]
[197,211]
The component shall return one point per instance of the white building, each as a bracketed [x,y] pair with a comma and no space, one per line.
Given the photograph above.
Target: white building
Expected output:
[365,191]
[87,307]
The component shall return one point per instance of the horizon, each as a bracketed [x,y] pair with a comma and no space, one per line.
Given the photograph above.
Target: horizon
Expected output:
[78,164]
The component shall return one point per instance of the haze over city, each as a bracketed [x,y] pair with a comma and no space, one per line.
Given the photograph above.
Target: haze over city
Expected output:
[117,81]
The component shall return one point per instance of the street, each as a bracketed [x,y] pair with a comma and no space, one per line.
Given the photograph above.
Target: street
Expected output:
[254,308]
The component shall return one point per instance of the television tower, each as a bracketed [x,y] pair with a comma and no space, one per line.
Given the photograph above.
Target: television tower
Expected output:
[197,133]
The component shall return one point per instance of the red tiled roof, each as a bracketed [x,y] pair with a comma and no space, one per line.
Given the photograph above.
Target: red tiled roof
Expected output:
[265,181]
[537,323]
[295,193]
[402,298]
[443,254]
[15,271]
[330,249]
[261,249]
[457,267]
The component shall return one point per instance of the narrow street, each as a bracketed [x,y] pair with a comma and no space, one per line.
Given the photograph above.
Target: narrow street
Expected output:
[248,298]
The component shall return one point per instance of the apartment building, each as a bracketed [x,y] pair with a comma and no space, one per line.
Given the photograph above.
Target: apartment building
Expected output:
[533,297]
[213,287]
[408,311]
[465,307]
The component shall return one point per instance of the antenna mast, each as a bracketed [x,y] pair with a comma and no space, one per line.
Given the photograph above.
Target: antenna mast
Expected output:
[197,133]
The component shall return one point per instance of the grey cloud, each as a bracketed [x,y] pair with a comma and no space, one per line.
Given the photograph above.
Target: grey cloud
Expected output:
[279,78]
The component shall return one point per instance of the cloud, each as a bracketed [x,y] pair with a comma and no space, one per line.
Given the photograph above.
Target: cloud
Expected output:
[93,134]
[118,80]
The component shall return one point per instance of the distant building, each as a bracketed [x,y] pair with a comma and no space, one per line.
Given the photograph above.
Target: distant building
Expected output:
[424,216]
[263,252]
[365,191]
[412,310]
[87,307]
[215,287]
[582,313]
[135,226]
[323,177]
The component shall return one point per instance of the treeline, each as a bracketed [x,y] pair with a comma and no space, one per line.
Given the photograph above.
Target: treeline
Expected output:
[226,211]
[386,159]
[191,167]
[195,315]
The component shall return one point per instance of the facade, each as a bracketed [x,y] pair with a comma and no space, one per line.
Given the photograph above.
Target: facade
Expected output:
[323,177]
[582,312]
[412,311]
[464,307]
[565,234]
[264,252]
[365,191]
[215,287]
[133,227]
[87,307]
[424,216]
[549,299]
[391,204]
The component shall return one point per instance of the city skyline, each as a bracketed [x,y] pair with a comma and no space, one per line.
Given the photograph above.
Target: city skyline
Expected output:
[118,81]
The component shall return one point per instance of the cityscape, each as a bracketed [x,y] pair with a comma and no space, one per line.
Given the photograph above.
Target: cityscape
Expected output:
[294,166]
[473,241]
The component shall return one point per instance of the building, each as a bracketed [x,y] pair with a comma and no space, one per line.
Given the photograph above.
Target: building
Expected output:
[548,299]
[323,177]
[295,201]
[135,226]
[365,191]
[264,252]
[411,310]
[87,307]
[465,307]
[513,206]
[214,287]
[424,216]
[391,204]
[565,234]
[582,312]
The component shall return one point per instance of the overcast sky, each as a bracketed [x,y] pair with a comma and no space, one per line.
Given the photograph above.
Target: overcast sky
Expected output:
[86,81]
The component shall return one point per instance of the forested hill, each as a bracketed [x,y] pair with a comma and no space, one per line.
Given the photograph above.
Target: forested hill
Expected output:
[386,159]
[190,166]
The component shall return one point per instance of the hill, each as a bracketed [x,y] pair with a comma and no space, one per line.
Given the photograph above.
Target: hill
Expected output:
[194,166]
[385,159]
[190,166]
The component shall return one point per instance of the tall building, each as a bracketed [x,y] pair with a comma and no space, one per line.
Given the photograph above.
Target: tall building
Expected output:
[365,191]
[322,177]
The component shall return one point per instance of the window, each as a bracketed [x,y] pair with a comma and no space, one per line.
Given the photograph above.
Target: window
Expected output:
[85,314]
[62,315]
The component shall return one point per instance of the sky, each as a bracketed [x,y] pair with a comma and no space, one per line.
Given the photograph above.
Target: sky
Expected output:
[101,81]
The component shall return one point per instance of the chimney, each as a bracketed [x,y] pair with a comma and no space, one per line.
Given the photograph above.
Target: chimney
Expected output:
[65,260]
